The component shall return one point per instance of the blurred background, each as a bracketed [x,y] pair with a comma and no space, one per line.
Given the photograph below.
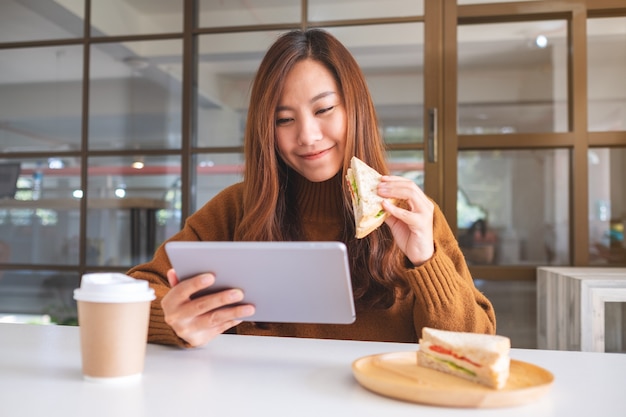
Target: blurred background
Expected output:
[119,118]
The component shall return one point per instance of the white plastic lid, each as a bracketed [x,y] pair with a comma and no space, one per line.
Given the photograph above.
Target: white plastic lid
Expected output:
[112,287]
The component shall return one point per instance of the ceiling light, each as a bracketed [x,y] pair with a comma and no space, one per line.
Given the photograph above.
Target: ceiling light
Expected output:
[541,41]
[138,163]
[55,163]
[120,192]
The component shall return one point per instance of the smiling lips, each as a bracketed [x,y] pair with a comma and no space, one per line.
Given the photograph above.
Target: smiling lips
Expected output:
[315,155]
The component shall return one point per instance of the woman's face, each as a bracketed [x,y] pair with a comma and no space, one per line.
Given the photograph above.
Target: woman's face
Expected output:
[311,122]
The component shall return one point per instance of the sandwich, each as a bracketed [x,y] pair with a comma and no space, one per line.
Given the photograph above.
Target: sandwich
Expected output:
[479,358]
[366,203]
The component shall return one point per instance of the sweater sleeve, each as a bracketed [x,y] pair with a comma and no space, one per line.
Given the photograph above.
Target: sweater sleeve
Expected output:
[215,221]
[445,294]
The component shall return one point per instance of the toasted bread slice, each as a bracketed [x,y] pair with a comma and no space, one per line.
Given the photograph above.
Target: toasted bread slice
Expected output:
[366,203]
[480,358]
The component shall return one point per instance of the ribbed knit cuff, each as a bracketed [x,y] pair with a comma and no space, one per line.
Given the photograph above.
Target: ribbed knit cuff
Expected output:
[436,281]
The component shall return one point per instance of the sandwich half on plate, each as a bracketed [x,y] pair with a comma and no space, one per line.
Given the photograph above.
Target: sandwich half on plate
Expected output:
[480,358]
[366,203]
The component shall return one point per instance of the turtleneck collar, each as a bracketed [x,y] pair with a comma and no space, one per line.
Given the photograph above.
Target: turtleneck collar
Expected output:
[317,199]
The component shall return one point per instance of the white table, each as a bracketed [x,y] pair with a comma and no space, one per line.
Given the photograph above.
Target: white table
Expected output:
[264,376]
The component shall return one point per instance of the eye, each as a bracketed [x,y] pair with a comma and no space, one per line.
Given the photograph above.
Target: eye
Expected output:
[283,121]
[325,110]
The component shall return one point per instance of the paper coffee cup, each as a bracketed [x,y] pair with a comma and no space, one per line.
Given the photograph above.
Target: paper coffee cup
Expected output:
[113,316]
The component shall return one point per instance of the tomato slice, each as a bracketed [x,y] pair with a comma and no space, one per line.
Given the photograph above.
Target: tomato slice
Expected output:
[444,351]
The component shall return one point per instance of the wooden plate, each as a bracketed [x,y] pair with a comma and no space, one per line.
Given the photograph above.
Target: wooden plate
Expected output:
[397,375]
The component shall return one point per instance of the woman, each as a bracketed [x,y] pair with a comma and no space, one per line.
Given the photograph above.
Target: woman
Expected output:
[310,112]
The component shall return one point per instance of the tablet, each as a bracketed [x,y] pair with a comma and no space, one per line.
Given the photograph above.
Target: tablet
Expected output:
[288,282]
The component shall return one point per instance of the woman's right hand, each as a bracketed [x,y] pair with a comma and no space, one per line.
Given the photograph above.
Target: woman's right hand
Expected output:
[200,319]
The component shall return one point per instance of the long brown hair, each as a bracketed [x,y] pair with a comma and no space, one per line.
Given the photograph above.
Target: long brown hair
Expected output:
[376,262]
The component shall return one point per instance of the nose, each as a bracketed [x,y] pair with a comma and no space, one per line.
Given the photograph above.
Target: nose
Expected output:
[309,132]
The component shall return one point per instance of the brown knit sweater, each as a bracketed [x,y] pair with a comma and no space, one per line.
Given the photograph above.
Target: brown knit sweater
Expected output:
[442,294]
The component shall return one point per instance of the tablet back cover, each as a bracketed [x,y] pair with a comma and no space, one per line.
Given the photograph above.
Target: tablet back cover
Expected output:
[288,282]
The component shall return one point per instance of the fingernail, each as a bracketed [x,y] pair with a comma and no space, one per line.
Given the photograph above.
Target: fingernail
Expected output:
[247,311]
[206,279]
[235,295]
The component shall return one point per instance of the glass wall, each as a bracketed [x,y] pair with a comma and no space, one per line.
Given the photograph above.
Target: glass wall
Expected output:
[96,128]
[135,95]
[518,84]
[39,221]
[607,206]
[249,13]
[34,81]
[541,134]
[607,117]
[214,172]
[515,304]
[513,207]
[606,56]
[118,134]
[325,10]
[51,291]
[227,63]
[41,20]
[131,207]
[120,17]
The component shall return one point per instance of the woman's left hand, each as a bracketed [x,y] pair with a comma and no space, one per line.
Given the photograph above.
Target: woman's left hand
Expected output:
[412,227]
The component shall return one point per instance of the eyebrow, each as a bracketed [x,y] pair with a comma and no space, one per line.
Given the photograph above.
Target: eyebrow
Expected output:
[313,100]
